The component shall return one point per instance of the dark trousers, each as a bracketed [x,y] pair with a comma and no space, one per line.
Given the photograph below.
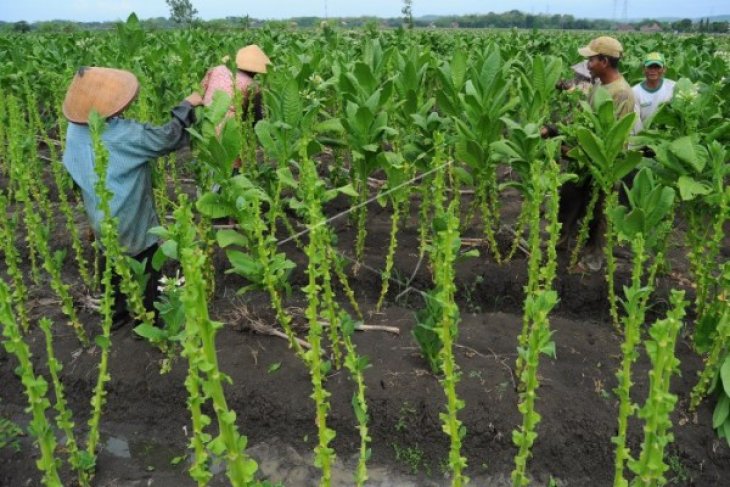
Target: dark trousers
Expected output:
[574,199]
[150,292]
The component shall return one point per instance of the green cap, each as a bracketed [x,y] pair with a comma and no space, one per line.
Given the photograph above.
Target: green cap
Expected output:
[654,58]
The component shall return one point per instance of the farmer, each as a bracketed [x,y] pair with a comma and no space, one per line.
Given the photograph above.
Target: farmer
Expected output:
[132,147]
[250,60]
[603,55]
[654,90]
[582,79]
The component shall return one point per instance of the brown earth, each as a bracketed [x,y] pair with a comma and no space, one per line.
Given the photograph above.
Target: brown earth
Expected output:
[146,412]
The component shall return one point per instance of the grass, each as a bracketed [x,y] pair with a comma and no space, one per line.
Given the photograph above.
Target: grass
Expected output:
[412,457]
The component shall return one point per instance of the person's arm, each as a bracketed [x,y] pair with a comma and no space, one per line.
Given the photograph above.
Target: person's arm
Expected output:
[157,141]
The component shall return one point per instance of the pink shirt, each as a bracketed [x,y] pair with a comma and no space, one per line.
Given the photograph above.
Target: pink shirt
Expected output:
[220,78]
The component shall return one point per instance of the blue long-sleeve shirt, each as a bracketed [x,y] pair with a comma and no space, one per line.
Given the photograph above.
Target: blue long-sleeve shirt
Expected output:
[132,146]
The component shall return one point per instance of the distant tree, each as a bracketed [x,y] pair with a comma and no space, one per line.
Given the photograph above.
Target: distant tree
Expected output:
[720,27]
[182,11]
[684,25]
[21,27]
[407,12]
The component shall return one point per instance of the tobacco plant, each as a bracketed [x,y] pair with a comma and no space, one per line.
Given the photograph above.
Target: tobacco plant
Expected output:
[538,306]
[8,224]
[38,225]
[80,460]
[182,235]
[476,99]
[699,174]
[229,444]
[538,180]
[602,150]
[318,368]
[123,265]
[19,179]
[713,338]
[398,189]
[444,254]
[205,380]
[341,326]
[649,468]
[109,239]
[36,389]
[641,224]
[365,119]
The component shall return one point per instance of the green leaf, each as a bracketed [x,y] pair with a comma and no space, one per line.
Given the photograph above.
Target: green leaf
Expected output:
[722,409]
[228,237]
[169,249]
[625,165]
[634,223]
[285,176]
[616,138]
[291,103]
[273,367]
[458,68]
[687,151]
[331,125]
[213,205]
[690,188]
[725,374]
[244,265]
[177,460]
[348,189]
[151,333]
[365,78]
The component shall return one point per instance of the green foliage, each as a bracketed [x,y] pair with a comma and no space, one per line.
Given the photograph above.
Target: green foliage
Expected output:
[80,460]
[712,337]
[721,413]
[428,340]
[651,206]
[36,388]
[9,434]
[202,358]
[650,467]
[602,150]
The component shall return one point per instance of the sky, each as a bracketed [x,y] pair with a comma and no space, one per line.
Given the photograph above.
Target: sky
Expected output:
[100,10]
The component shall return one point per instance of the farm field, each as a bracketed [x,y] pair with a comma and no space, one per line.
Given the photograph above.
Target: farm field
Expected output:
[394,305]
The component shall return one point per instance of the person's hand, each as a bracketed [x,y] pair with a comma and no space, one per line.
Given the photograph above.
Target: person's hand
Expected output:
[194,99]
[548,131]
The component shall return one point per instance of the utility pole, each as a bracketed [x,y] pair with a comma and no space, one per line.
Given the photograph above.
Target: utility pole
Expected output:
[626,10]
[325,10]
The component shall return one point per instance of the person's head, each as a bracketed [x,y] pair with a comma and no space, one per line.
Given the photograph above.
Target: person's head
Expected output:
[603,55]
[654,67]
[108,91]
[251,59]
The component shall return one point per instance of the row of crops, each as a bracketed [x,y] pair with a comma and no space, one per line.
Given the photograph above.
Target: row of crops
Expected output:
[434,115]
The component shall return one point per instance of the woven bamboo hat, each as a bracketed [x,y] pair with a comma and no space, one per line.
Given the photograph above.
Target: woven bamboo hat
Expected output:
[106,90]
[252,59]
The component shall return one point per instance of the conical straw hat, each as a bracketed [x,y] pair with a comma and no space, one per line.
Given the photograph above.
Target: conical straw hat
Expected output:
[252,59]
[106,90]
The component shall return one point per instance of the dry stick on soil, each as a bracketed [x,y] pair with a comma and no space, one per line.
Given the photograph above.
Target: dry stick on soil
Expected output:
[241,315]
[360,327]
